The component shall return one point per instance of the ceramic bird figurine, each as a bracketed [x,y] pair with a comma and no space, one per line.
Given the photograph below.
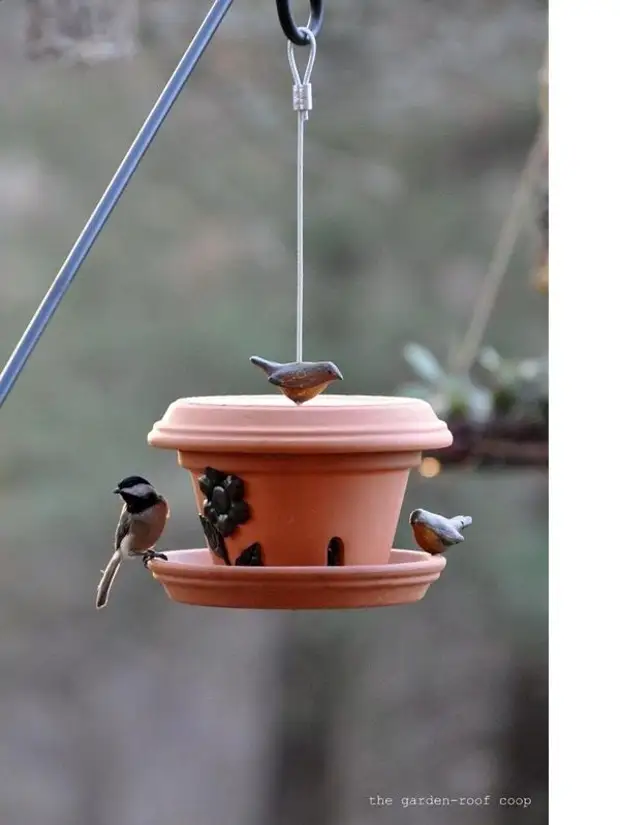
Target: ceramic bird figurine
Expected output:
[435,533]
[299,380]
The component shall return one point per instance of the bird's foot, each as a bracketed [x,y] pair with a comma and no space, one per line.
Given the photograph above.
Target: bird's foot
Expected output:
[150,555]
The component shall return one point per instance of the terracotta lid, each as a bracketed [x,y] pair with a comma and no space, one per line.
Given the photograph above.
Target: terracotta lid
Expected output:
[328,423]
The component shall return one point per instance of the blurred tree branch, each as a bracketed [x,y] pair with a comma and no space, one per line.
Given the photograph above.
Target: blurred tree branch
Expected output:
[464,354]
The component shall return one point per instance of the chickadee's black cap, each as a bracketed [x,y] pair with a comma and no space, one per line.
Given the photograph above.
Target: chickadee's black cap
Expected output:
[129,482]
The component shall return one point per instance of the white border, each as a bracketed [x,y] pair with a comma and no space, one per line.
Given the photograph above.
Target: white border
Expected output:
[585,409]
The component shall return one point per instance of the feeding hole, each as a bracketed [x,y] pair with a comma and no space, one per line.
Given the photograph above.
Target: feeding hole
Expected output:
[335,552]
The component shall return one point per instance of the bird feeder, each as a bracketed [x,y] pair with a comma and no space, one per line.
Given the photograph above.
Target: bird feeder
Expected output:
[298,494]
[299,504]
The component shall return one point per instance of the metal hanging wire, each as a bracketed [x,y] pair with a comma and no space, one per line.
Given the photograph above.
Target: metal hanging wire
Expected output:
[302,104]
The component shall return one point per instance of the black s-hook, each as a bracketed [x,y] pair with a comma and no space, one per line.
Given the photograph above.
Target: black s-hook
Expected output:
[289,27]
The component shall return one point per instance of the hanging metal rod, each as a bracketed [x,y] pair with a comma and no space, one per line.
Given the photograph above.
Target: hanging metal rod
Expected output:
[110,198]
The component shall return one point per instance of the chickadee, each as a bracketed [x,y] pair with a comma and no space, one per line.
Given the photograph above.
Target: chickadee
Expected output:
[435,533]
[142,522]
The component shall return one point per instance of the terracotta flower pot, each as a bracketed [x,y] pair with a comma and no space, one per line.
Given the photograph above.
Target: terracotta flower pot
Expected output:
[277,485]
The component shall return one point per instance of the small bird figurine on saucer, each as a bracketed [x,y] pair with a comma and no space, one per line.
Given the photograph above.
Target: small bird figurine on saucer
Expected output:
[435,533]
[299,380]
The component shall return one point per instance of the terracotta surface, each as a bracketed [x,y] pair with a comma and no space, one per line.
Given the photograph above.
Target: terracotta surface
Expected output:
[191,577]
[335,467]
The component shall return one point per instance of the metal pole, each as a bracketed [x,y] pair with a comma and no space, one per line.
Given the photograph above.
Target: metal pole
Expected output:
[110,198]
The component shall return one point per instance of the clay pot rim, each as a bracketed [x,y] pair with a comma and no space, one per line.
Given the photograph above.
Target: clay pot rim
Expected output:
[405,563]
[328,423]
[270,402]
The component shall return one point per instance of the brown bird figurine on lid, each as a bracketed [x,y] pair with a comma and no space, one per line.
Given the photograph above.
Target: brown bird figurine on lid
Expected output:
[435,533]
[299,380]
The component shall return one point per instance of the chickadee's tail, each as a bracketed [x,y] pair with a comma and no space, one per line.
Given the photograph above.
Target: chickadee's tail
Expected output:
[108,577]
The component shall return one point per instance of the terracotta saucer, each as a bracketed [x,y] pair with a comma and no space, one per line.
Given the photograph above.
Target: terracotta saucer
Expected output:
[191,577]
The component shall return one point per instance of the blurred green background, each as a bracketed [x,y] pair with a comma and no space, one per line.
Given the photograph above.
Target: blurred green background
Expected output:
[151,712]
